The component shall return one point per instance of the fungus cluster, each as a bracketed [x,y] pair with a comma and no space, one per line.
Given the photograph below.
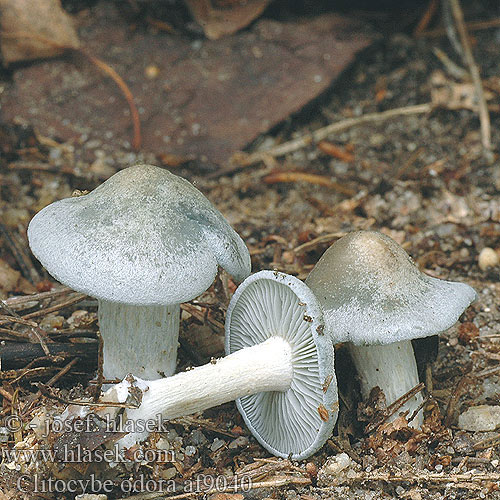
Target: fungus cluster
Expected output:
[146,240]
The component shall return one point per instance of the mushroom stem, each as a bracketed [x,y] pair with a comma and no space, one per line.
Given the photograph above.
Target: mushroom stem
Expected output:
[393,368]
[259,368]
[150,354]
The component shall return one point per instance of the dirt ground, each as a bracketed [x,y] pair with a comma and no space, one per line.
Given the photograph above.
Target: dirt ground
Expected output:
[422,178]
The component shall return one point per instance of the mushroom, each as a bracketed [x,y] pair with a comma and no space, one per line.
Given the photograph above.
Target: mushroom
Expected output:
[279,364]
[375,298]
[142,243]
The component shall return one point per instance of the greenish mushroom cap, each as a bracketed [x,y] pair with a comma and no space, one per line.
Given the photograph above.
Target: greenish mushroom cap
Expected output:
[373,293]
[145,236]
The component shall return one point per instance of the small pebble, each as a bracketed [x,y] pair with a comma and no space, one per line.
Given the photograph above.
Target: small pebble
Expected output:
[217,444]
[162,444]
[197,438]
[151,72]
[169,473]
[4,434]
[337,464]
[239,442]
[172,434]
[439,468]
[487,258]
[190,451]
[311,469]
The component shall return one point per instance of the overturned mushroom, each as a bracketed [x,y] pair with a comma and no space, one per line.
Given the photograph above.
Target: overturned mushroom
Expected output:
[377,300]
[142,243]
[279,364]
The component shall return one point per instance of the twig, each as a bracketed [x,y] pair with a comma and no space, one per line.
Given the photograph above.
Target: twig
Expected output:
[4,319]
[472,26]
[45,391]
[5,394]
[487,443]
[48,310]
[487,372]
[393,408]
[17,302]
[484,116]
[450,28]
[453,69]
[65,369]
[452,480]
[426,18]
[453,401]
[325,238]
[242,160]
[100,366]
[108,70]
[14,354]
[107,381]
[45,167]
[204,424]
[318,180]
[335,152]
[37,331]
[196,313]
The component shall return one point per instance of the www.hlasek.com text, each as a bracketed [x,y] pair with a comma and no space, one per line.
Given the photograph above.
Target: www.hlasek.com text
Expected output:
[78,454]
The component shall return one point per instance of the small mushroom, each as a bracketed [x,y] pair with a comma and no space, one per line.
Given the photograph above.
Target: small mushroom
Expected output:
[375,298]
[279,364]
[142,243]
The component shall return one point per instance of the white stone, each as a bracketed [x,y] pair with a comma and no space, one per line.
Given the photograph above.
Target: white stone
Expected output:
[337,464]
[487,258]
[480,418]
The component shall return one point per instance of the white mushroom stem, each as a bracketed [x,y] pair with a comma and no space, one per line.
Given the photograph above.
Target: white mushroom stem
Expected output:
[141,340]
[393,368]
[260,368]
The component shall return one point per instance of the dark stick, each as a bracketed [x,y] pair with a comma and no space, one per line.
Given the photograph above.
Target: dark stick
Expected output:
[17,355]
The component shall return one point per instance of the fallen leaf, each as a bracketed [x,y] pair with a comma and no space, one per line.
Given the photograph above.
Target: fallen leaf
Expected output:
[224,18]
[34,30]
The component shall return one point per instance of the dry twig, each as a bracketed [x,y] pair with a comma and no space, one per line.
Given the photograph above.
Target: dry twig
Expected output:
[473,26]
[426,18]
[393,408]
[484,116]
[309,245]
[108,70]
[40,335]
[452,480]
[318,180]
[19,302]
[242,160]
[43,312]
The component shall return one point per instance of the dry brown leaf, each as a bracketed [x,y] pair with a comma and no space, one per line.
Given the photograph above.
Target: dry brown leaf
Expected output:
[224,18]
[34,30]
